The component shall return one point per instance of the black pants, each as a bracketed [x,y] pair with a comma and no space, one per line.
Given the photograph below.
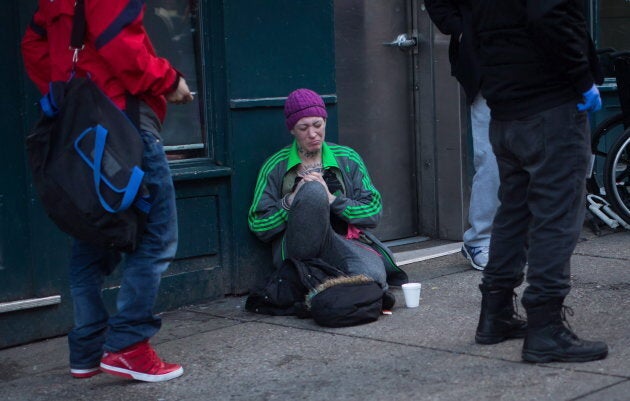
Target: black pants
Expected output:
[542,162]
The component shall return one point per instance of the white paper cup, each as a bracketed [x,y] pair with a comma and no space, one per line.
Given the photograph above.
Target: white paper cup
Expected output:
[412,294]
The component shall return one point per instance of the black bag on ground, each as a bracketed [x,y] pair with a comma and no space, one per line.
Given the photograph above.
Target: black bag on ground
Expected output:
[84,155]
[284,292]
[346,301]
[313,288]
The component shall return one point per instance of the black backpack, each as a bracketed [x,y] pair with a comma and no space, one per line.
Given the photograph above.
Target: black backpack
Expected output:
[85,157]
[284,292]
[346,301]
[313,288]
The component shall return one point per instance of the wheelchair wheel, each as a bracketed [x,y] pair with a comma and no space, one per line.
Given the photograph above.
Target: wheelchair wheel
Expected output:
[604,135]
[617,176]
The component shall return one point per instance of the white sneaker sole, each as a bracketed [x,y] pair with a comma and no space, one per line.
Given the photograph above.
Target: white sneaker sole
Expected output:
[84,373]
[130,374]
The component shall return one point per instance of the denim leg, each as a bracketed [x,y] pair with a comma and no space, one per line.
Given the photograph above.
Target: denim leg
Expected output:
[354,257]
[308,228]
[310,235]
[88,266]
[142,269]
[484,200]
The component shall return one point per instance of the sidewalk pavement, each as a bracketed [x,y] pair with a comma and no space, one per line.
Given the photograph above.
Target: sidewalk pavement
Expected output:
[425,353]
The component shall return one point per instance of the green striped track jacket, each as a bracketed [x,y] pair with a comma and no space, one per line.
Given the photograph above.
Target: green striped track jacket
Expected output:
[360,205]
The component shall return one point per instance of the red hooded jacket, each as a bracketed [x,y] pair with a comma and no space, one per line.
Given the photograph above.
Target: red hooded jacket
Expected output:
[118,54]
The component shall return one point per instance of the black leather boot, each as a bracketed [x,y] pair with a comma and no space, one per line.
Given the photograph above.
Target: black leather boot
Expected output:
[548,339]
[498,320]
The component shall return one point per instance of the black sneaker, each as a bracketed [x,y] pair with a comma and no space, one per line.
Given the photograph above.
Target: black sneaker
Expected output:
[389,300]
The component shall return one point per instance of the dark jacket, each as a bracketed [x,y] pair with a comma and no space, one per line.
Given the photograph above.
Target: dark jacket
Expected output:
[454,18]
[534,54]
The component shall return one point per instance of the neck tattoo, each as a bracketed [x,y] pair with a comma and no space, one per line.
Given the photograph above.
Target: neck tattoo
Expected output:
[308,168]
[309,154]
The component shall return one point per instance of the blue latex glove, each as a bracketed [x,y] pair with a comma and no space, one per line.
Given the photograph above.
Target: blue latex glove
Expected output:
[592,100]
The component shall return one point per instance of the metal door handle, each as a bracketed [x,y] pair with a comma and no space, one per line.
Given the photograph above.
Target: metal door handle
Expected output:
[402,42]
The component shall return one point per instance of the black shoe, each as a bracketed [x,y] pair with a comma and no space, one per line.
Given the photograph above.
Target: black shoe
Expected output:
[389,300]
[498,320]
[549,340]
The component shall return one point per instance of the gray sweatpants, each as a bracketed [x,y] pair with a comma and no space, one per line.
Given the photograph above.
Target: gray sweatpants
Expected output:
[310,235]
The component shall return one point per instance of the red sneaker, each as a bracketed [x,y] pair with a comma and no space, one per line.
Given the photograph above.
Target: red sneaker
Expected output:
[84,373]
[139,362]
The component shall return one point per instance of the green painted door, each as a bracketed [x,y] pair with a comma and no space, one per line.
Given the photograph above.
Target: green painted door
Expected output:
[32,252]
[272,48]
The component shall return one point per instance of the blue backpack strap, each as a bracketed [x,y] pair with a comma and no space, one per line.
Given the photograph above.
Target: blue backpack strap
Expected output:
[143,204]
[135,180]
[48,104]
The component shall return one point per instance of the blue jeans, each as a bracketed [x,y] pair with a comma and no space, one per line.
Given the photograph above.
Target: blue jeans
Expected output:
[94,330]
[543,160]
[484,199]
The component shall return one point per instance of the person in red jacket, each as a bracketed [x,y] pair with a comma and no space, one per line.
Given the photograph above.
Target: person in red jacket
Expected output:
[120,59]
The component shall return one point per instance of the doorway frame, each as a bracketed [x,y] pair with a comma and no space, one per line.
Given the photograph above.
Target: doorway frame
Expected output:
[444,145]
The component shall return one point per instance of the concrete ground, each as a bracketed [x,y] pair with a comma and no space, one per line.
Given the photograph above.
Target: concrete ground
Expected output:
[425,353]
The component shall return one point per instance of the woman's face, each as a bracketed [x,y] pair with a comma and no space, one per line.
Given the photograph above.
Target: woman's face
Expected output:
[310,133]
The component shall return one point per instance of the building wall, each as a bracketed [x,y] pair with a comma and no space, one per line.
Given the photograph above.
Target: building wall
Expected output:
[254,54]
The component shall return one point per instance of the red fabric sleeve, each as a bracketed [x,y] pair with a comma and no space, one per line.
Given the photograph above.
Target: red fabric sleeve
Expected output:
[35,53]
[129,54]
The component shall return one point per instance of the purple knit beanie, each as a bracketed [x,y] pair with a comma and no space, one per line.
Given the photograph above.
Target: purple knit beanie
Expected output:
[303,103]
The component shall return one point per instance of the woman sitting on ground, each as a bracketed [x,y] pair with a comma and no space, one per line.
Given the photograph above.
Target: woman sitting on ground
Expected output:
[315,199]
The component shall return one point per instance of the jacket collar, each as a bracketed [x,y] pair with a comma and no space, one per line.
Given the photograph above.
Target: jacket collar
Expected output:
[328,159]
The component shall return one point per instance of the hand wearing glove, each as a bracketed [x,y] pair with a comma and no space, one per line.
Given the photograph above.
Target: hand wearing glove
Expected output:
[592,100]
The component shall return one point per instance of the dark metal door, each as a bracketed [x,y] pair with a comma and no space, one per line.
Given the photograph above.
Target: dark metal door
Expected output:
[375,46]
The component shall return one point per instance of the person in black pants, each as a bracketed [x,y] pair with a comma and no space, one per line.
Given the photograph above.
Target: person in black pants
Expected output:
[539,71]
